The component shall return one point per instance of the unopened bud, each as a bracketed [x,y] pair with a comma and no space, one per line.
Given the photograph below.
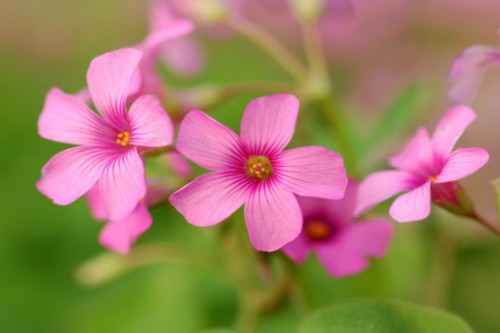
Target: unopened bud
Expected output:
[453,198]
[307,10]
[204,11]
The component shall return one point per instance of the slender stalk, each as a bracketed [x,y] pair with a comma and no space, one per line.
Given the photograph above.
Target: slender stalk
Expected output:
[314,50]
[443,266]
[490,226]
[271,45]
[158,151]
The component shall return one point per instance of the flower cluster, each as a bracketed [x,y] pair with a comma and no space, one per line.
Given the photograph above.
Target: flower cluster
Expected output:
[298,199]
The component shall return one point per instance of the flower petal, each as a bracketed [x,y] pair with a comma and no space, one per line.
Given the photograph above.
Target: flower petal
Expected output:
[462,163]
[71,173]
[370,237]
[468,70]
[380,186]
[66,119]
[340,260]
[208,143]
[450,128]
[211,198]
[273,217]
[123,184]
[96,203]
[342,211]
[312,171]
[184,56]
[298,249]
[412,206]
[150,124]
[168,31]
[268,123]
[416,156]
[109,79]
[120,235]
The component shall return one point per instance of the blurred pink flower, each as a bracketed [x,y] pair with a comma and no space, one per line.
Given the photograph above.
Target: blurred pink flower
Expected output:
[468,70]
[119,235]
[108,152]
[424,163]
[169,41]
[254,170]
[340,242]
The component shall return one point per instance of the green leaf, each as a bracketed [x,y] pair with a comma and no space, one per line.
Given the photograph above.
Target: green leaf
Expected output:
[404,111]
[382,316]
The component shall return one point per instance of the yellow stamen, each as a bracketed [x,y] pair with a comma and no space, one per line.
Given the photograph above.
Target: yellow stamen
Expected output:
[123,139]
[432,178]
[259,167]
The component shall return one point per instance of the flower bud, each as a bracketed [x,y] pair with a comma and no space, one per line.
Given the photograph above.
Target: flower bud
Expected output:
[453,198]
[307,10]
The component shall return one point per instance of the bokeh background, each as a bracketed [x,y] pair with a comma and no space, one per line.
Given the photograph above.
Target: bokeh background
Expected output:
[390,53]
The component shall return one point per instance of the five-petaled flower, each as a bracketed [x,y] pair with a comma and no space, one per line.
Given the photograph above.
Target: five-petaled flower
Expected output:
[254,170]
[341,243]
[424,164]
[108,151]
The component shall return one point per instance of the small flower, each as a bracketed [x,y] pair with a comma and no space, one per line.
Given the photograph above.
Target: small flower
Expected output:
[170,42]
[424,164]
[108,151]
[254,170]
[468,70]
[341,243]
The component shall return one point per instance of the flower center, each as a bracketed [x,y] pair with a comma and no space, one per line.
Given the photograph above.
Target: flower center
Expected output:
[432,178]
[317,230]
[259,167]
[123,139]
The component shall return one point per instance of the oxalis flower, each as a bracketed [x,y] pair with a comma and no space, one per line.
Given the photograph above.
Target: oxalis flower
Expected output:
[425,166]
[341,243]
[254,170]
[108,151]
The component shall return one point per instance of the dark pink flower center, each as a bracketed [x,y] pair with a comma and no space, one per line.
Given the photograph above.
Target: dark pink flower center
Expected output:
[259,167]
[317,230]
[123,139]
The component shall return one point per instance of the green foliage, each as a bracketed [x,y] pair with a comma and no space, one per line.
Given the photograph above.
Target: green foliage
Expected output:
[382,316]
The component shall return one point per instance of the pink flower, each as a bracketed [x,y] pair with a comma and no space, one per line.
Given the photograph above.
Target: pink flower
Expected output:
[169,41]
[254,170]
[468,70]
[108,151]
[424,165]
[119,235]
[340,242]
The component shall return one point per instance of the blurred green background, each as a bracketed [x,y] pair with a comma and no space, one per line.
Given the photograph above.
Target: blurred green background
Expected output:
[42,246]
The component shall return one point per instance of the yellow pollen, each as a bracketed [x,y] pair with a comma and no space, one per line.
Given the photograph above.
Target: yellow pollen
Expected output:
[432,178]
[317,230]
[123,139]
[259,167]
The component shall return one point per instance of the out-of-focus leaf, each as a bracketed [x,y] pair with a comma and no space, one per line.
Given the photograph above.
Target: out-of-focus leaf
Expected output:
[403,112]
[382,316]
[221,330]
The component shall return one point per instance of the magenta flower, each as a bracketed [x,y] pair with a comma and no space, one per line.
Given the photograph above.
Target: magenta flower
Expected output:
[467,72]
[108,151]
[254,170]
[424,165]
[341,243]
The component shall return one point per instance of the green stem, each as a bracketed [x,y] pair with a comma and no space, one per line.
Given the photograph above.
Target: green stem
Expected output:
[490,226]
[158,151]
[443,266]
[271,45]
[332,114]
[315,51]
